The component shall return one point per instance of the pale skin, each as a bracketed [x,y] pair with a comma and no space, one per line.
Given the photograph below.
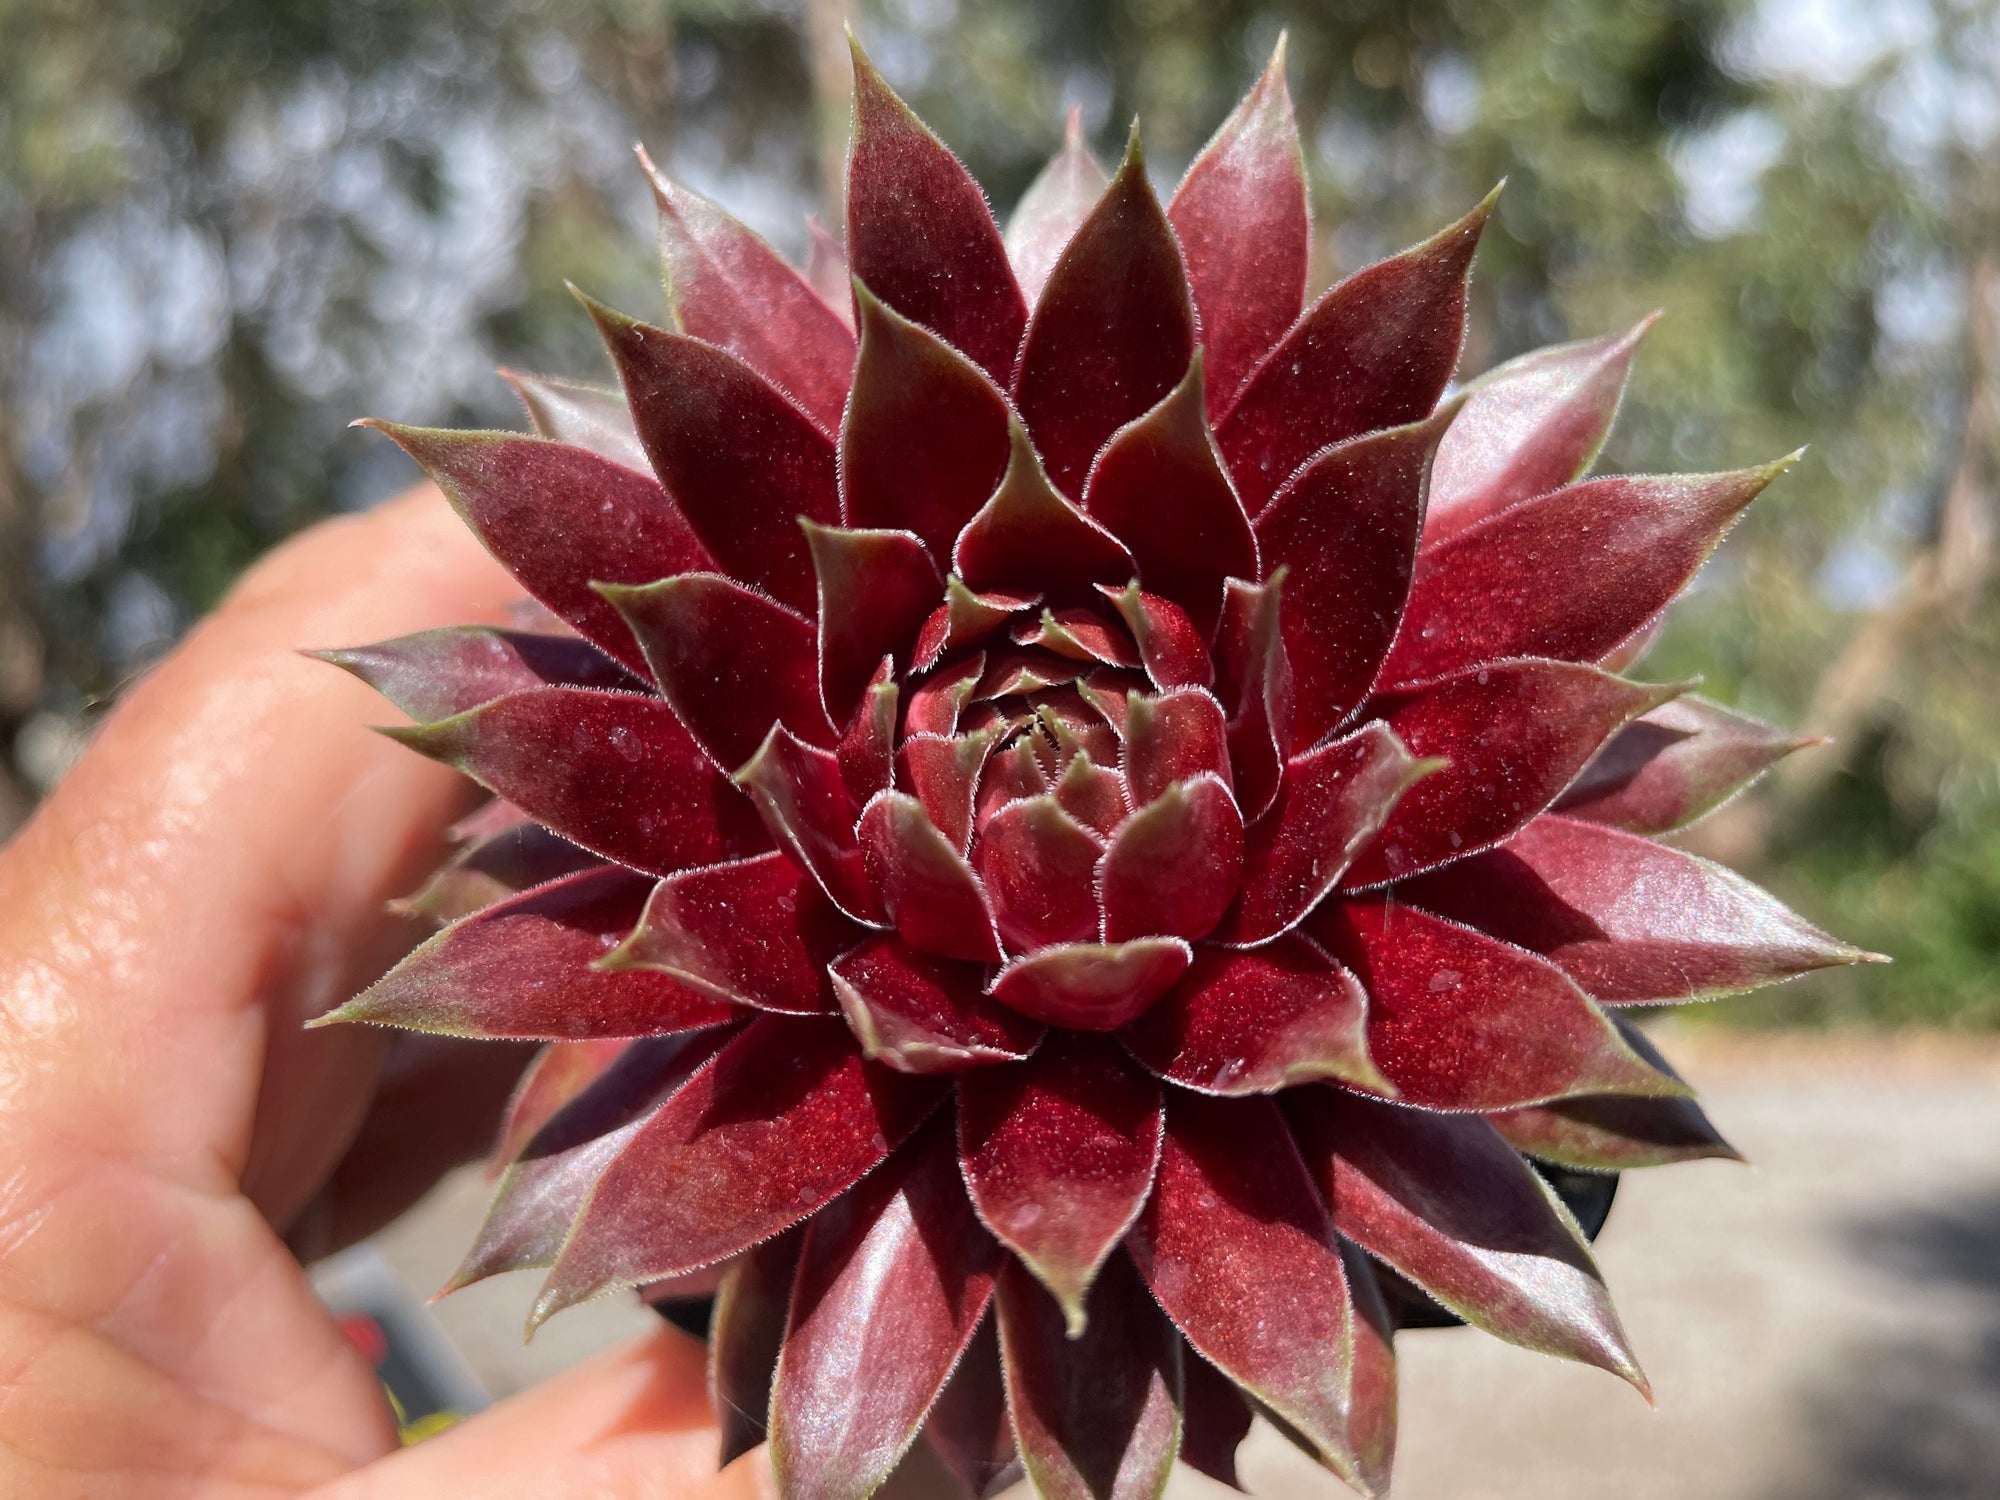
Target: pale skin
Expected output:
[211,873]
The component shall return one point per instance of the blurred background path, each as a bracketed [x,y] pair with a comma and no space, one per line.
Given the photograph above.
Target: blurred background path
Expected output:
[1821,1325]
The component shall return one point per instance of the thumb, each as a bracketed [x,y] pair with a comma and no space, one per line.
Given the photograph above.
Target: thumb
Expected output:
[632,1424]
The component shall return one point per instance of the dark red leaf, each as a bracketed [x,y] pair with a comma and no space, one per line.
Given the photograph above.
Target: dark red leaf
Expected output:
[937,701]
[1459,1021]
[1171,646]
[1091,986]
[758,932]
[1244,221]
[1632,921]
[745,1333]
[1331,803]
[1058,1154]
[965,617]
[1371,1399]
[559,1072]
[968,1429]
[1055,204]
[1527,427]
[1344,529]
[1216,1421]
[927,888]
[1514,733]
[1095,797]
[919,233]
[1448,1203]
[1675,764]
[582,415]
[925,439]
[1173,737]
[742,460]
[1257,1022]
[1080,633]
[1174,866]
[729,661]
[893,1281]
[494,867]
[560,518]
[1160,487]
[1040,869]
[437,673]
[1029,539]
[784,1117]
[524,968]
[1097,1416]
[1377,350]
[614,772]
[540,1193]
[1254,684]
[867,751]
[1112,331]
[942,772]
[919,1013]
[1238,1248]
[1568,576]
[806,806]
[875,590]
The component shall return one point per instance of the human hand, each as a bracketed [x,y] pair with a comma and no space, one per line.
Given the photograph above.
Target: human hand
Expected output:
[212,873]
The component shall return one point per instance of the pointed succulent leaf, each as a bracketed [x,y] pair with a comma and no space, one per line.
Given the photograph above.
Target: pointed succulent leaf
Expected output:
[1173,867]
[927,888]
[541,1191]
[1097,1416]
[1528,427]
[1569,576]
[968,1429]
[876,588]
[893,1281]
[1514,735]
[919,1013]
[560,1071]
[1238,1247]
[1458,1021]
[1215,1422]
[559,518]
[1345,531]
[1095,797]
[1160,487]
[728,288]
[1332,801]
[1028,538]
[1632,921]
[613,772]
[1080,633]
[524,968]
[803,799]
[1676,764]
[1257,1022]
[1172,647]
[743,461]
[729,661]
[1254,684]
[1091,986]
[785,1116]
[1058,1154]
[866,753]
[1371,1399]
[943,772]
[937,702]
[1055,204]
[1112,331]
[1040,869]
[924,441]
[919,233]
[580,414]
[494,867]
[1243,218]
[756,932]
[745,1333]
[1448,1203]
[963,618]
[434,674]
[1377,350]
[1171,737]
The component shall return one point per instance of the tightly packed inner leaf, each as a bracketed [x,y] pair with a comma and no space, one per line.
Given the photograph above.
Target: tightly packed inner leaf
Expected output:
[1070,815]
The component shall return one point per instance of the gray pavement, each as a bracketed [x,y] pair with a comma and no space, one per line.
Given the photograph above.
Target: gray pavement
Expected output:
[1822,1325]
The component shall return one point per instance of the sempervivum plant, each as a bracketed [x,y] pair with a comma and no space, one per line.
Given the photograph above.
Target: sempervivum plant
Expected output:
[1070,813]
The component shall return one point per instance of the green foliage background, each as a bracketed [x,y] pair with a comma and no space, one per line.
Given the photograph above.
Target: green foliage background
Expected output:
[229,226]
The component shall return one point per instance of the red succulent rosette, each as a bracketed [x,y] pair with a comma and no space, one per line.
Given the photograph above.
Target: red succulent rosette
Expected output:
[1083,804]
